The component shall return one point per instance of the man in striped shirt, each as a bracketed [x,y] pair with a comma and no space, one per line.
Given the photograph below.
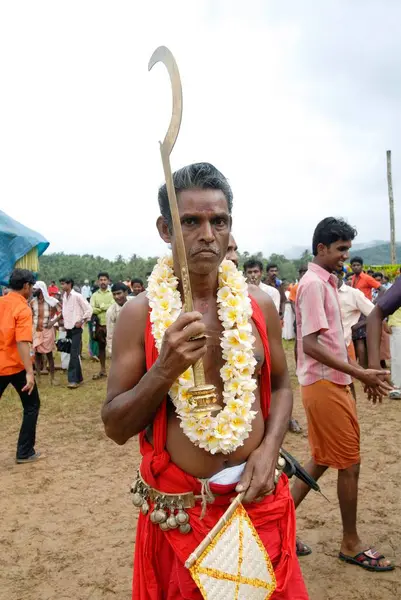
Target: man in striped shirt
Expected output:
[325,375]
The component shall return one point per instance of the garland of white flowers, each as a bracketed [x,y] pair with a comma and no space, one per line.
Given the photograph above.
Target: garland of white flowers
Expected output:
[231,426]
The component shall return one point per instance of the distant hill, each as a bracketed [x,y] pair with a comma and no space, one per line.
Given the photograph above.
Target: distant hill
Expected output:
[378,255]
[296,251]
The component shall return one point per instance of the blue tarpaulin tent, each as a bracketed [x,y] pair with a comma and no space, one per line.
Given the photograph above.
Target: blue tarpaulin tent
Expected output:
[16,242]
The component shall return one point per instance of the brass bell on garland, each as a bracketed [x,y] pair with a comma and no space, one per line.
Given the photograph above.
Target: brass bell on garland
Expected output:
[203,400]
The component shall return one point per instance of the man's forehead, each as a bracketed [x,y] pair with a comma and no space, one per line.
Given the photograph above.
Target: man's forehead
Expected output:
[202,201]
[346,243]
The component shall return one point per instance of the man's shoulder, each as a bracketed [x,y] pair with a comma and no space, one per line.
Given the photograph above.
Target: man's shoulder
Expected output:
[112,308]
[310,279]
[258,294]
[136,307]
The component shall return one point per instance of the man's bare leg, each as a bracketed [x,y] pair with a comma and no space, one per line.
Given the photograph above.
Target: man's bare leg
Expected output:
[38,365]
[361,353]
[347,490]
[299,489]
[50,361]
[102,359]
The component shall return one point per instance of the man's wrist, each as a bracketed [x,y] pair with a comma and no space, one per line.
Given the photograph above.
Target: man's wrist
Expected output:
[164,377]
[355,370]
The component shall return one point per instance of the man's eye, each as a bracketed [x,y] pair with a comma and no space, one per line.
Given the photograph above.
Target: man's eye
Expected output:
[220,222]
[189,221]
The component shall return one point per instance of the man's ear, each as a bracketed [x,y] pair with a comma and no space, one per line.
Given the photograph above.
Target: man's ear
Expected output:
[163,229]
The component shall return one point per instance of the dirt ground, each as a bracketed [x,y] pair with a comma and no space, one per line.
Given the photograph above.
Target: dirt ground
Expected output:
[67,522]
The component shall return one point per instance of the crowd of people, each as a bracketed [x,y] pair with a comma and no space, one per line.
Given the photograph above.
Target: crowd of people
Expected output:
[340,322]
[36,320]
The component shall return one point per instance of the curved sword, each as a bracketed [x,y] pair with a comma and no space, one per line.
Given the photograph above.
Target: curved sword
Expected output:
[163,54]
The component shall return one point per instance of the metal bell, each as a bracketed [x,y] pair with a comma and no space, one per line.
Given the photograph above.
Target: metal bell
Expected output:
[172,522]
[137,499]
[160,516]
[145,508]
[182,517]
[185,528]
[277,475]
[163,526]
[152,517]
[281,463]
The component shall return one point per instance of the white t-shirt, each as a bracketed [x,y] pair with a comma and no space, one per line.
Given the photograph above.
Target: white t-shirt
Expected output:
[273,293]
[352,303]
[86,291]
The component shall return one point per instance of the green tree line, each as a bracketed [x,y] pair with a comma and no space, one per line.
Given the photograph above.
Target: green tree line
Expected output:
[86,266]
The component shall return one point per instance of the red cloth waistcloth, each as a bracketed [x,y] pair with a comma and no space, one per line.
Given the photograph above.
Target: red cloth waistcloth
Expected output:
[159,571]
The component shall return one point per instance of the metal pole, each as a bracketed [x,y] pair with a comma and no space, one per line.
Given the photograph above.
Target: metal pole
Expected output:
[391,204]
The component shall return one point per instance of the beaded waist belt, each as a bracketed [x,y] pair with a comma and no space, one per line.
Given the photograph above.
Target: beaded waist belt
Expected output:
[168,510]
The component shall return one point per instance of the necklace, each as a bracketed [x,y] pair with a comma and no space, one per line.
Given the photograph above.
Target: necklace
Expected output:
[226,431]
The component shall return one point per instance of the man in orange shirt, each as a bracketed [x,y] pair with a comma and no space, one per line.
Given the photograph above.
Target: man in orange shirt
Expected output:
[15,360]
[362,281]
[366,284]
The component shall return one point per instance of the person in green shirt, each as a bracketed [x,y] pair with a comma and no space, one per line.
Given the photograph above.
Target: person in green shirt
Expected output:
[101,302]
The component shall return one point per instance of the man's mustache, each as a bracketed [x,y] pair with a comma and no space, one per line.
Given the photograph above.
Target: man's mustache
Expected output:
[195,251]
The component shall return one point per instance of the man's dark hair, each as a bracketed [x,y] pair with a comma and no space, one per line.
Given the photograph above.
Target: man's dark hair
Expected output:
[331,230]
[53,282]
[356,259]
[67,280]
[19,277]
[198,176]
[370,272]
[119,287]
[378,274]
[136,280]
[103,274]
[251,263]
[271,266]
[302,269]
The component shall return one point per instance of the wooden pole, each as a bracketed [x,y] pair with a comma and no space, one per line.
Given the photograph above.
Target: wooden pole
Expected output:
[391,204]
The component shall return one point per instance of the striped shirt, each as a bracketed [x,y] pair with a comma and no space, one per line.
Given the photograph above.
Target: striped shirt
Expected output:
[318,311]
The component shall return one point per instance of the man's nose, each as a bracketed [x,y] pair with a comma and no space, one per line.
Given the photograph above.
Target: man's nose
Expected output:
[207,233]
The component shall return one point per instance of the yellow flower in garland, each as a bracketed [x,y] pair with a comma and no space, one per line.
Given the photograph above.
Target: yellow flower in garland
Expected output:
[231,426]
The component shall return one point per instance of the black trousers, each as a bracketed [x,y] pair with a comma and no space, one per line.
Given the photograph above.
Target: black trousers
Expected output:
[74,367]
[31,405]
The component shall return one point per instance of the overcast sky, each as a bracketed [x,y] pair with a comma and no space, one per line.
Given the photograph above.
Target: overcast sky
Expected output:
[295,102]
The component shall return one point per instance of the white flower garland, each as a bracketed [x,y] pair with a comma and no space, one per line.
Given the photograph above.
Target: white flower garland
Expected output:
[231,426]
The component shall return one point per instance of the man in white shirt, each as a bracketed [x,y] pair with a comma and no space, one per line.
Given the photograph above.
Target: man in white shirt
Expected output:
[120,295]
[76,312]
[253,269]
[86,290]
[353,303]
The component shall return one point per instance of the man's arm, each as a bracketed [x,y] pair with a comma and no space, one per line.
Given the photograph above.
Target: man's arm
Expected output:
[87,309]
[110,322]
[373,336]
[258,477]
[314,321]
[134,394]
[96,310]
[386,305]
[23,336]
